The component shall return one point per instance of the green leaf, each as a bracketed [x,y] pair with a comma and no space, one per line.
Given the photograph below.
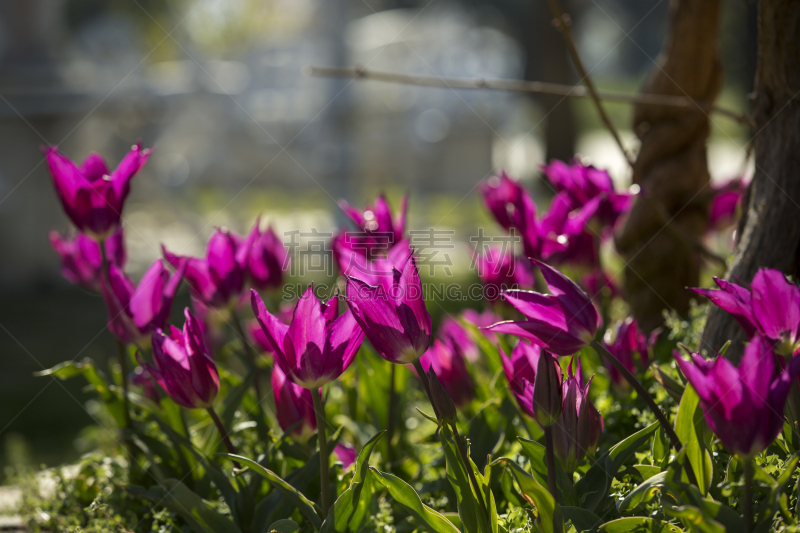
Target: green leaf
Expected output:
[177,497]
[490,351]
[689,426]
[283,526]
[645,492]
[466,499]
[374,379]
[536,453]
[594,486]
[647,471]
[404,495]
[693,518]
[86,368]
[303,504]
[660,448]
[639,524]
[550,519]
[342,512]
[581,519]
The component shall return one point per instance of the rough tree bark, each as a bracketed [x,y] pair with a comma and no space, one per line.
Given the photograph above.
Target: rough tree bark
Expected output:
[659,238]
[769,232]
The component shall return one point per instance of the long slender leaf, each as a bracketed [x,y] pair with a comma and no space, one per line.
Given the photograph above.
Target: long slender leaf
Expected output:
[550,519]
[688,423]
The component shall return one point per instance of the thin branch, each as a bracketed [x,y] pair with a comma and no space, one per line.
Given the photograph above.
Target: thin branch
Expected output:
[562,23]
[521,86]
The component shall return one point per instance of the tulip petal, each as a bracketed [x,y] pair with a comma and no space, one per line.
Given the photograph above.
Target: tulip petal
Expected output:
[776,303]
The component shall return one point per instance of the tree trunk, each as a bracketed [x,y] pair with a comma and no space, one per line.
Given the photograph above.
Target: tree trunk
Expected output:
[769,233]
[670,216]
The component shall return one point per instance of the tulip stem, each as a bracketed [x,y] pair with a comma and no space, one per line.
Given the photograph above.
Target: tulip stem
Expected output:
[251,355]
[550,460]
[747,499]
[222,431]
[324,476]
[468,466]
[424,379]
[639,388]
[390,421]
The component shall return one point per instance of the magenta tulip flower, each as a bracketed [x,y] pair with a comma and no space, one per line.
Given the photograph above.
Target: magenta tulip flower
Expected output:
[378,219]
[218,280]
[629,345]
[520,369]
[453,333]
[450,367]
[583,184]
[135,311]
[317,346]
[267,258]
[183,365]
[293,404]
[577,431]
[563,322]
[499,270]
[81,260]
[92,196]
[596,282]
[482,320]
[378,271]
[744,405]
[771,307]
[725,205]
[285,313]
[346,454]
[506,200]
[394,320]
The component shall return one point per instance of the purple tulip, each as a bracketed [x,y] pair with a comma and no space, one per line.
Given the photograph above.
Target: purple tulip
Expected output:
[450,367]
[724,206]
[346,454]
[453,333]
[743,406]
[498,270]
[293,404]
[544,395]
[577,431]
[81,260]
[218,280]
[771,307]
[394,320]
[267,258]
[92,196]
[505,198]
[318,345]
[380,231]
[378,271]
[520,369]
[627,345]
[482,320]
[183,365]
[563,322]
[285,313]
[596,282]
[135,311]
[583,184]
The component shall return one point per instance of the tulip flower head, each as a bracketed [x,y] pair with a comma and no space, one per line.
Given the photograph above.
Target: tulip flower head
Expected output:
[318,345]
[628,344]
[453,333]
[379,230]
[499,270]
[562,322]
[346,454]
[293,404]
[505,198]
[520,369]
[726,204]
[577,431]
[267,258]
[81,259]
[218,279]
[744,405]
[442,403]
[451,368]
[135,311]
[378,271]
[183,366]
[93,197]
[394,320]
[771,307]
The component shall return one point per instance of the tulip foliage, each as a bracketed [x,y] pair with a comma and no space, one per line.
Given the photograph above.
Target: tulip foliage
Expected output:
[366,408]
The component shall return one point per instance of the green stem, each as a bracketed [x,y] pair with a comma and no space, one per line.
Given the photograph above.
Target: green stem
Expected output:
[747,499]
[550,460]
[468,466]
[794,408]
[223,433]
[324,476]
[250,353]
[424,379]
[390,421]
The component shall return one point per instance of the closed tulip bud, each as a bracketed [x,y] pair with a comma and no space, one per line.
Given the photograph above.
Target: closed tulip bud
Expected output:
[577,431]
[442,403]
[451,368]
[520,369]
[93,197]
[183,366]
[81,260]
[395,321]
[317,346]
[346,454]
[546,392]
[134,311]
[563,322]
[293,404]
[267,258]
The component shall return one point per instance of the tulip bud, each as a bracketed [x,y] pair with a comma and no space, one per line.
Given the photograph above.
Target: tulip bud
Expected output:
[442,403]
[546,393]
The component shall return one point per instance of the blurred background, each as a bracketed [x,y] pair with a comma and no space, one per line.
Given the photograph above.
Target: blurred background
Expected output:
[218,88]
